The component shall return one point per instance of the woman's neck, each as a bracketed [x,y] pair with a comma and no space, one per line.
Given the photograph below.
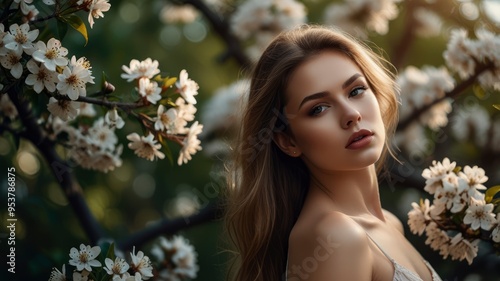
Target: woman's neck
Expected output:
[354,193]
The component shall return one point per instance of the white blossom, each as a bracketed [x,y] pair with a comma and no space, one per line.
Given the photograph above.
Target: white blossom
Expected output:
[85,258]
[141,264]
[73,79]
[181,253]
[87,109]
[49,2]
[437,239]
[221,111]
[190,144]
[475,176]
[437,172]
[139,69]
[51,55]
[437,116]
[64,109]
[117,267]
[41,77]
[187,87]
[145,147]
[495,234]
[23,5]
[421,88]
[81,276]
[56,275]
[95,8]
[7,108]
[461,248]
[263,20]
[185,111]
[166,120]
[457,54]
[12,61]
[113,119]
[127,277]
[479,214]
[102,135]
[356,16]
[418,217]
[428,23]
[451,193]
[20,38]
[149,90]
[3,50]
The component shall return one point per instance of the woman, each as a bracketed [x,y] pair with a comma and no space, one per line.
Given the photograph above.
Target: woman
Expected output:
[305,200]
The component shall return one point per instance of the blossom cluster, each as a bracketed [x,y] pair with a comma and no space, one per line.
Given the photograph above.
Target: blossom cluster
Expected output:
[45,67]
[171,119]
[49,68]
[464,55]
[460,215]
[357,16]
[177,260]
[95,147]
[261,21]
[221,114]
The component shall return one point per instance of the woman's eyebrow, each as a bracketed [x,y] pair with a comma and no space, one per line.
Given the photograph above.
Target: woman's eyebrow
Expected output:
[324,93]
[351,80]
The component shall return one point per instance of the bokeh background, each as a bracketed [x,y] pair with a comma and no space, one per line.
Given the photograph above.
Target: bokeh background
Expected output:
[141,192]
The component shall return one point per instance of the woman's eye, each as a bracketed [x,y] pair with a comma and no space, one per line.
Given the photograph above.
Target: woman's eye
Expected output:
[317,110]
[357,91]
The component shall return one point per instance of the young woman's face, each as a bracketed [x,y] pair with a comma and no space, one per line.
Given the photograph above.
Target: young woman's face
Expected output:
[334,117]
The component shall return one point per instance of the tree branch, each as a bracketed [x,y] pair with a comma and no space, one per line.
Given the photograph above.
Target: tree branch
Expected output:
[212,212]
[408,36]
[451,94]
[125,106]
[60,168]
[222,28]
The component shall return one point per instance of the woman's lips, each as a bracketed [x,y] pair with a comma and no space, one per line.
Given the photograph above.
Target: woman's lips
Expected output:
[360,139]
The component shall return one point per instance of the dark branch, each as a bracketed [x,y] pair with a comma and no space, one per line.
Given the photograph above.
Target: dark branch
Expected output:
[408,36]
[60,168]
[212,212]
[126,106]
[222,28]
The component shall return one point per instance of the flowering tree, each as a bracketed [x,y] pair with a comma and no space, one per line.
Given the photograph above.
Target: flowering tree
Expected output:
[445,53]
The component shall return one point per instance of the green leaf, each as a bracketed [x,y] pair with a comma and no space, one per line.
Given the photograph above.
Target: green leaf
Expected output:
[77,23]
[491,192]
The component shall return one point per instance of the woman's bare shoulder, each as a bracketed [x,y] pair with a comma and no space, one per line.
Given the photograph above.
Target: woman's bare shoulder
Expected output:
[332,245]
[326,224]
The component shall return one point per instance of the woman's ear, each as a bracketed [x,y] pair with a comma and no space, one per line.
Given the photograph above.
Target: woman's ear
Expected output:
[286,143]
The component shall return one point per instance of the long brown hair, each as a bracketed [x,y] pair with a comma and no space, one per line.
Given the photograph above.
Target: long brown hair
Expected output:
[268,187]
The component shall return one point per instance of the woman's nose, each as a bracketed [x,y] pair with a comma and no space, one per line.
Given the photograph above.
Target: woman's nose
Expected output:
[350,118]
